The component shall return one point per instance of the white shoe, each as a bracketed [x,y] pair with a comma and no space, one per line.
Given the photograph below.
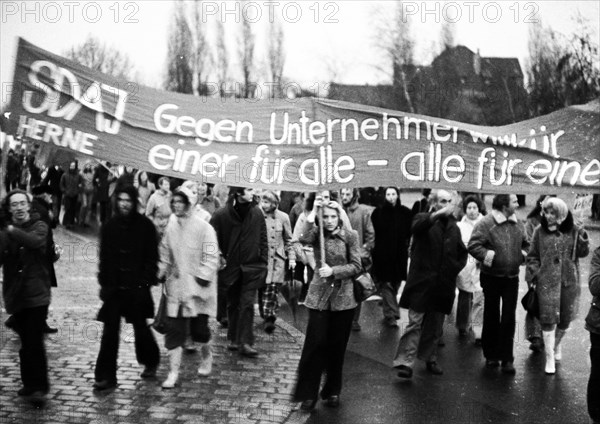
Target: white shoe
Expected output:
[205,367]
[558,353]
[171,380]
[174,363]
[549,341]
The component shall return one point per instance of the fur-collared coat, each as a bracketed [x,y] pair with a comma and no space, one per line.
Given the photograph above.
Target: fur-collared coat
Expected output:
[553,265]
[592,321]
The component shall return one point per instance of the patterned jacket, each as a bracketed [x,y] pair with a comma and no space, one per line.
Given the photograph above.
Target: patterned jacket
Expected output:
[342,254]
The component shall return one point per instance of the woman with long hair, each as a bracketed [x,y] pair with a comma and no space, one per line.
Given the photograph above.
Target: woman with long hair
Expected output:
[391,222]
[330,302]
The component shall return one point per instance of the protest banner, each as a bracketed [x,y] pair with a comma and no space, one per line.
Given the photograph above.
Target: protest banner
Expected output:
[295,144]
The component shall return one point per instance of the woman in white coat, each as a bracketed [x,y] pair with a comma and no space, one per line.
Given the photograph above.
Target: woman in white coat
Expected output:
[189,256]
[469,309]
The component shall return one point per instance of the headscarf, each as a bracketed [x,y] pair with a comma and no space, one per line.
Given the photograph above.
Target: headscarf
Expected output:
[558,206]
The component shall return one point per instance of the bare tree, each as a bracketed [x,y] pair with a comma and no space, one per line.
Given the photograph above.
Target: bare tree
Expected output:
[394,38]
[102,58]
[276,56]
[562,70]
[201,58]
[578,66]
[246,43]
[544,51]
[447,35]
[222,60]
[180,53]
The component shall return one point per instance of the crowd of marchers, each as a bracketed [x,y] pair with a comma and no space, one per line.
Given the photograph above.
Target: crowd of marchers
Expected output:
[215,253]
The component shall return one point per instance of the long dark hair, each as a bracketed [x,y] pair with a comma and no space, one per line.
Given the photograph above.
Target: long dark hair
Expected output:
[398,202]
[536,212]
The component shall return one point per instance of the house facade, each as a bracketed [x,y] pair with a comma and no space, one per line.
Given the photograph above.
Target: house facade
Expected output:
[459,85]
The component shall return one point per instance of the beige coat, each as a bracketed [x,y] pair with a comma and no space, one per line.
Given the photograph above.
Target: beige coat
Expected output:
[468,278]
[189,249]
[279,237]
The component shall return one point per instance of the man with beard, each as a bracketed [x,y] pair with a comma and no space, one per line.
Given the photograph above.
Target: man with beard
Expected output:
[127,269]
[360,220]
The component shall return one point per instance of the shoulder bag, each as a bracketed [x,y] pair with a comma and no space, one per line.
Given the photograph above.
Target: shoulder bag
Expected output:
[364,287]
[160,319]
[531,303]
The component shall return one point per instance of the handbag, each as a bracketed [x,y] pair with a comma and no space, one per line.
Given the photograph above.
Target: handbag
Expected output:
[55,252]
[364,287]
[531,302]
[160,319]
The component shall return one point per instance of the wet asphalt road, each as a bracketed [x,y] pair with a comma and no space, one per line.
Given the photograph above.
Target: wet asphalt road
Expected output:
[467,392]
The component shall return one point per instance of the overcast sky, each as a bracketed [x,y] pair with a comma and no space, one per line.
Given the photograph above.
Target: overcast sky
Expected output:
[323,40]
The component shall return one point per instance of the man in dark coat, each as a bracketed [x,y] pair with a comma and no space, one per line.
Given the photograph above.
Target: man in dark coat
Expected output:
[102,179]
[423,204]
[71,184]
[53,181]
[438,254]
[242,235]
[128,268]
[42,205]
[360,220]
[13,170]
[26,288]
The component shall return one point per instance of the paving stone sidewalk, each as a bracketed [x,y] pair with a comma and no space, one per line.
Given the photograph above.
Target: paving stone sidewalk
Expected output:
[240,390]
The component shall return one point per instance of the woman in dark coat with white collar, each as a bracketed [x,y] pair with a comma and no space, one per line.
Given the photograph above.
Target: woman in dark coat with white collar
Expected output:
[553,267]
